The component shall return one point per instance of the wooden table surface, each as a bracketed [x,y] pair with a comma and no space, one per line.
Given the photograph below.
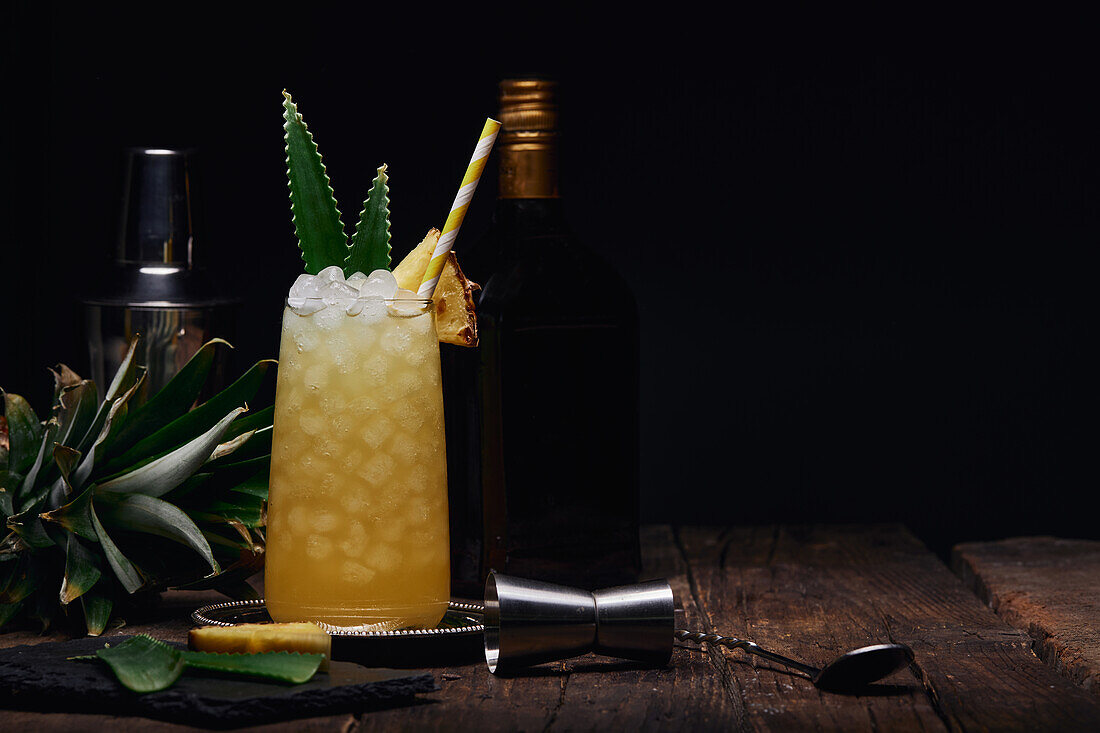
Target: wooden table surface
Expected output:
[1049,588]
[810,593]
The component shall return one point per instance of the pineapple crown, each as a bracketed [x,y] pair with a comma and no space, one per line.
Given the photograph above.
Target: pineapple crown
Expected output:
[127,492]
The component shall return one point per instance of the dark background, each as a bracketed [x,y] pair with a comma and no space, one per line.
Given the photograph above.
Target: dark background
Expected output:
[863,260]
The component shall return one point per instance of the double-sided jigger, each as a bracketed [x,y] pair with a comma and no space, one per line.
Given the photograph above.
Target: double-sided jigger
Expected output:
[529,622]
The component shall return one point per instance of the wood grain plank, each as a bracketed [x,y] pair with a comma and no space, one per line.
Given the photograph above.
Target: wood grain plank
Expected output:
[814,592]
[1047,587]
[754,585]
[587,693]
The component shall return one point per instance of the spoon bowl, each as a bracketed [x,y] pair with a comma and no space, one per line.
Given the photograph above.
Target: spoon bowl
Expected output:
[860,667]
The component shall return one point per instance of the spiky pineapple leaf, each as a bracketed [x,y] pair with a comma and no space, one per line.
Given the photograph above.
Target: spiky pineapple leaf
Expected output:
[97,611]
[63,378]
[22,582]
[254,444]
[141,513]
[24,433]
[123,569]
[247,564]
[169,471]
[76,516]
[81,570]
[370,245]
[231,446]
[77,411]
[27,494]
[116,406]
[28,526]
[317,221]
[200,419]
[172,401]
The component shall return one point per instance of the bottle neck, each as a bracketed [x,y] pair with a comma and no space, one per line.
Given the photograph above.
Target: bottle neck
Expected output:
[528,165]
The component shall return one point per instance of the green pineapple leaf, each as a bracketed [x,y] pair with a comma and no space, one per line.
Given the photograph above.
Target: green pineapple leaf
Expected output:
[97,611]
[26,494]
[123,569]
[202,418]
[163,474]
[77,410]
[24,433]
[370,246]
[141,513]
[317,222]
[76,516]
[172,401]
[81,570]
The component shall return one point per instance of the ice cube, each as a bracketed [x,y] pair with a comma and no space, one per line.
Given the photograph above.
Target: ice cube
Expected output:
[306,286]
[405,448]
[396,341]
[379,284]
[330,317]
[316,377]
[306,339]
[305,306]
[312,422]
[303,294]
[355,537]
[344,356]
[298,517]
[332,273]
[406,303]
[375,433]
[377,470]
[324,521]
[392,530]
[318,547]
[369,307]
[382,558]
[356,279]
[377,370]
[352,571]
[338,292]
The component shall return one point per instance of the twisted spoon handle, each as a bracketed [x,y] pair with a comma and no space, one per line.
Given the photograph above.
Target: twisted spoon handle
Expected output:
[744,645]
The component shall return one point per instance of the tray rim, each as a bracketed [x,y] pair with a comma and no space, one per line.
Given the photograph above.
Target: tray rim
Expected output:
[199,618]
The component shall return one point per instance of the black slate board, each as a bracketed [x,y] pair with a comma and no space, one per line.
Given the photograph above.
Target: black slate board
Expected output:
[40,677]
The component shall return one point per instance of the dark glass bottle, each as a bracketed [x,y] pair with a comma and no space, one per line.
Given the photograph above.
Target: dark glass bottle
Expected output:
[557,376]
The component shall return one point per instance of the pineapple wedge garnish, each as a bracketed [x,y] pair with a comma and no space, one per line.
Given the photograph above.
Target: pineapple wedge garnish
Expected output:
[455,319]
[306,638]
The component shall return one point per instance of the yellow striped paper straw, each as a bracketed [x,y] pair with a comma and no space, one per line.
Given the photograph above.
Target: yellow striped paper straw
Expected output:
[458,208]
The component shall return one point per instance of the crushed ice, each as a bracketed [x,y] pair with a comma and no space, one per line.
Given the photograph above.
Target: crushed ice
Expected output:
[312,293]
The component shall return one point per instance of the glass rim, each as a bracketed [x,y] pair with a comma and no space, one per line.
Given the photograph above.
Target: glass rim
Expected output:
[367,298]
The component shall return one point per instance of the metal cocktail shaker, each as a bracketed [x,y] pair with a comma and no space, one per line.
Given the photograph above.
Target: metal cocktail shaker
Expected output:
[154,287]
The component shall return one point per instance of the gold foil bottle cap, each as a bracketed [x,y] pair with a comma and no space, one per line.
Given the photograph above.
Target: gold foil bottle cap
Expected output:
[528,151]
[528,105]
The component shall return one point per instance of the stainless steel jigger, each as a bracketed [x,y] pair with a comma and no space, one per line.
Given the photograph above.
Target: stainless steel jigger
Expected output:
[529,622]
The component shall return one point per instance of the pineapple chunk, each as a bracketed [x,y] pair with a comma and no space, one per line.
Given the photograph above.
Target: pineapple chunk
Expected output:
[455,319]
[306,638]
[410,271]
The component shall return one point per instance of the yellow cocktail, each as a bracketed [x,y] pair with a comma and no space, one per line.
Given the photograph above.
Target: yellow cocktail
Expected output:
[357,514]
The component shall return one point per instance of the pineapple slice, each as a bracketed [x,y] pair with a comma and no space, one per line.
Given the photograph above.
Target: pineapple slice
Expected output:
[306,638]
[455,319]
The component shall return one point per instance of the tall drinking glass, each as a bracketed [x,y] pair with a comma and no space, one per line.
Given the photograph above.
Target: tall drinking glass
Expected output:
[357,514]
